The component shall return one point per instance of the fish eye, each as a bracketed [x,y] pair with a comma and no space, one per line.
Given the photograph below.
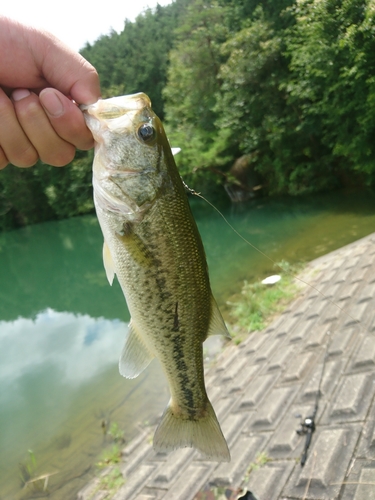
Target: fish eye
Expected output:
[146,132]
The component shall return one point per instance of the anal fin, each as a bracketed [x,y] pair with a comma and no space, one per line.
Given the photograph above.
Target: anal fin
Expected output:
[135,356]
[217,325]
[108,263]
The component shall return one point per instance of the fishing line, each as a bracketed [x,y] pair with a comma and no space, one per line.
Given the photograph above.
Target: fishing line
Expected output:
[307,427]
[267,256]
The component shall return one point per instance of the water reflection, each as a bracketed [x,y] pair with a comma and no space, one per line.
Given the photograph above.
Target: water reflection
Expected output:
[45,364]
[75,347]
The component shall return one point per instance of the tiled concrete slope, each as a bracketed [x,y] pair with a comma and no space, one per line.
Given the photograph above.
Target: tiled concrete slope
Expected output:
[259,388]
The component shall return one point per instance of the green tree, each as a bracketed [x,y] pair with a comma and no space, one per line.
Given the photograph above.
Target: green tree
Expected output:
[332,53]
[266,125]
[193,83]
[42,193]
[22,198]
[136,60]
[251,105]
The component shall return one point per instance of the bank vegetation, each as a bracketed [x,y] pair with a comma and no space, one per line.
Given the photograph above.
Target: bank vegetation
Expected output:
[271,97]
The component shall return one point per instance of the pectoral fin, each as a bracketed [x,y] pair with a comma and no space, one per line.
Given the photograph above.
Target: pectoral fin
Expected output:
[135,356]
[134,245]
[108,263]
[217,325]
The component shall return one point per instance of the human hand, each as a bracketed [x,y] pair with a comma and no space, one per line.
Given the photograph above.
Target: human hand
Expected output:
[39,77]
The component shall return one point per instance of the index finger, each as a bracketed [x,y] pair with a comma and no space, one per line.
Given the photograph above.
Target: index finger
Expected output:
[66,119]
[66,70]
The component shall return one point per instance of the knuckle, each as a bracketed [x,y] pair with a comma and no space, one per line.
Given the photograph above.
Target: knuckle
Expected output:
[26,158]
[61,157]
[27,110]
[86,143]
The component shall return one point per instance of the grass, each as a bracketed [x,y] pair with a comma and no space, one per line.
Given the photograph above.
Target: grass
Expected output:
[111,456]
[30,479]
[110,479]
[111,482]
[117,434]
[27,468]
[260,460]
[259,303]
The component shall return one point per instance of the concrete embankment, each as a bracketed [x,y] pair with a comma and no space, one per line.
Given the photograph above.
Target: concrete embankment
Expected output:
[263,389]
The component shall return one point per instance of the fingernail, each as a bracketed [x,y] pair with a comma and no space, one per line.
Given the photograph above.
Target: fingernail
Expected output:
[51,103]
[19,94]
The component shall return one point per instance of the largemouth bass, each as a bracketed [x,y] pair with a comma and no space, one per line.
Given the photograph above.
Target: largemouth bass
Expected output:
[152,244]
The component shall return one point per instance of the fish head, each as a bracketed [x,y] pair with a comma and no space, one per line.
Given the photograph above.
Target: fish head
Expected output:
[130,145]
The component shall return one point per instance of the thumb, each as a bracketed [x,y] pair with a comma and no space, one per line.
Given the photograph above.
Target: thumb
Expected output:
[64,69]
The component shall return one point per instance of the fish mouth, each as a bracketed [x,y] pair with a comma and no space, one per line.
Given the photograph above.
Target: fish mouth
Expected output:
[114,114]
[116,107]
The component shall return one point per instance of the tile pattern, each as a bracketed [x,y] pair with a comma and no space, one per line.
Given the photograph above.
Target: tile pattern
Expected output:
[264,388]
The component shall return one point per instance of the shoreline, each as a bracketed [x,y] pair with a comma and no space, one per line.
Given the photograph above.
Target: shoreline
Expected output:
[259,386]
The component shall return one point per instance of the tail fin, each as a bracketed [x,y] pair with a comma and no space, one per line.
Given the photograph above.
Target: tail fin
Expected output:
[204,434]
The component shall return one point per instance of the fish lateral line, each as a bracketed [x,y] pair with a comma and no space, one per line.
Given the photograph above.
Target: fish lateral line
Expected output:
[199,195]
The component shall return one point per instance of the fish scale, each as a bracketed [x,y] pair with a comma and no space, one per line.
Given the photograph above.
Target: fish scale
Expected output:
[152,244]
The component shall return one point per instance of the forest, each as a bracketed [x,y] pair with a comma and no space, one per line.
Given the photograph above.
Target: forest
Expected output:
[263,97]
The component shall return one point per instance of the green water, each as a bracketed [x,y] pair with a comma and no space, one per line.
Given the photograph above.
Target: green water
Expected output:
[62,326]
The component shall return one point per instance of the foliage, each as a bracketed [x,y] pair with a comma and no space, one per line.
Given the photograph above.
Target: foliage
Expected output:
[294,91]
[43,192]
[116,433]
[111,479]
[332,65]
[30,479]
[28,467]
[136,59]
[22,199]
[111,456]
[260,460]
[111,482]
[288,83]
[259,302]
[193,83]
[251,105]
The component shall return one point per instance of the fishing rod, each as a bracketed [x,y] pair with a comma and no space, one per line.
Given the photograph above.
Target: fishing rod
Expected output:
[246,495]
[307,428]
[308,425]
